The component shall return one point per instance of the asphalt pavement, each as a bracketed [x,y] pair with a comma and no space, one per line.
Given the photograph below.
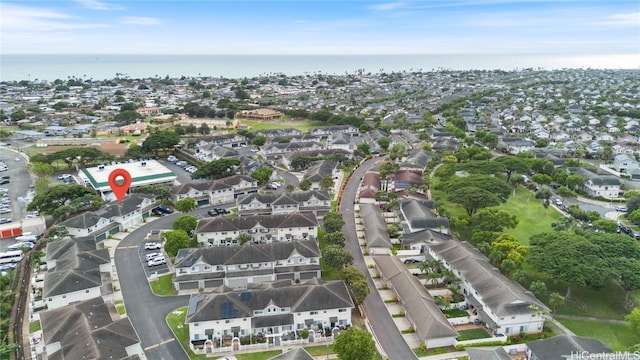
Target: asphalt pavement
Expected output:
[385,329]
[147,311]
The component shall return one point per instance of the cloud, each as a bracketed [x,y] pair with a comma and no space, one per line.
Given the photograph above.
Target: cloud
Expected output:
[98,5]
[388,6]
[626,19]
[140,20]
[34,19]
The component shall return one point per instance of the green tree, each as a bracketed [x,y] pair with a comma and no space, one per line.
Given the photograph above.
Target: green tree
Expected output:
[243,238]
[42,184]
[335,238]
[60,195]
[487,183]
[290,188]
[186,205]
[135,151]
[609,226]
[333,222]
[493,219]
[543,179]
[175,240]
[565,192]
[41,169]
[263,174]
[555,300]
[259,140]
[305,184]
[326,183]
[127,117]
[473,198]
[574,181]
[538,288]
[633,321]
[365,149]
[217,169]
[160,140]
[336,257]
[384,143]
[204,129]
[359,290]
[157,191]
[186,223]
[354,344]
[568,258]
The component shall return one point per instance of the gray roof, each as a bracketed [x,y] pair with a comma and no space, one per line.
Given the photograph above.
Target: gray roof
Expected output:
[319,169]
[298,353]
[77,267]
[419,305]
[561,346]
[88,330]
[503,296]
[82,221]
[128,205]
[595,178]
[487,353]
[417,159]
[243,223]
[310,296]
[420,216]
[247,254]
[297,197]
[375,228]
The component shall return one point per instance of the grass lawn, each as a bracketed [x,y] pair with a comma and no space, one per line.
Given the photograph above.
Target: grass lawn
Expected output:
[34,326]
[320,350]
[532,216]
[263,355]
[607,302]
[281,124]
[175,319]
[163,285]
[120,307]
[472,334]
[420,353]
[455,313]
[617,336]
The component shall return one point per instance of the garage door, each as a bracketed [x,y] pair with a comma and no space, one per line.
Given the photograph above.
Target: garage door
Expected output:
[236,283]
[202,202]
[101,237]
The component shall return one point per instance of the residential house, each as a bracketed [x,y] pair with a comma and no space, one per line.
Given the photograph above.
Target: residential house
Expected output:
[76,271]
[375,229]
[286,159]
[487,353]
[232,140]
[622,163]
[211,152]
[275,133]
[430,324]
[416,160]
[515,146]
[291,147]
[262,114]
[605,186]
[222,231]
[407,179]
[342,141]
[219,191]
[237,266]
[328,131]
[371,184]
[274,311]
[504,306]
[90,329]
[91,224]
[319,169]
[315,201]
[420,215]
[565,346]
[444,144]
[132,210]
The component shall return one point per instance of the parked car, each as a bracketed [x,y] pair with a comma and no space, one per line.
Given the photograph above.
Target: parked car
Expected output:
[5,210]
[621,208]
[411,261]
[172,158]
[152,245]
[165,209]
[4,181]
[212,212]
[157,261]
[64,176]
[152,255]
[5,220]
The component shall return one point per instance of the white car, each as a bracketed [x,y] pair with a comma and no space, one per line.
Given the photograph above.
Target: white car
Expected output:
[152,246]
[157,261]
[5,211]
[172,158]
[64,176]
[152,255]
[621,208]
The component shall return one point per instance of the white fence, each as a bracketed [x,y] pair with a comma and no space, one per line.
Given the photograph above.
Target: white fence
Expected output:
[494,339]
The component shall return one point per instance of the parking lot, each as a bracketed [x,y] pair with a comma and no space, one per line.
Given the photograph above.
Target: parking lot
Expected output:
[142,252]
[18,186]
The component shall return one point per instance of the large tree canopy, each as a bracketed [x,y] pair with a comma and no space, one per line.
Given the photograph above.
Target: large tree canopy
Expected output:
[490,184]
[217,169]
[160,140]
[355,344]
[569,258]
[64,195]
[473,198]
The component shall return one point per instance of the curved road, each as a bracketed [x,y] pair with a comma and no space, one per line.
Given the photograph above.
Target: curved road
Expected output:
[381,322]
[147,311]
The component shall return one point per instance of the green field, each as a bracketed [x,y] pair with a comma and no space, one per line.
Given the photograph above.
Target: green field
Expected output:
[175,319]
[532,216]
[617,336]
[472,334]
[163,285]
[263,355]
[281,124]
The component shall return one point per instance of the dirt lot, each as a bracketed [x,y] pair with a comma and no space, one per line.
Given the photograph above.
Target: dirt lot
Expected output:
[111,148]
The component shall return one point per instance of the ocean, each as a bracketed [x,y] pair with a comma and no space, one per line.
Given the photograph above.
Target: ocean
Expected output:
[99,67]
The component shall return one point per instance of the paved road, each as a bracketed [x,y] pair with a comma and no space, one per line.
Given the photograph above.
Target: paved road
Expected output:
[147,312]
[383,326]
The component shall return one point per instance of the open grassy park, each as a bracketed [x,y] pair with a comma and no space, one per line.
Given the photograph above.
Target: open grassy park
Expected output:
[617,336]
[533,217]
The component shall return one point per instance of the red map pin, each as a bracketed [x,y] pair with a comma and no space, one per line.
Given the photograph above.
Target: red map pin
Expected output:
[119,181]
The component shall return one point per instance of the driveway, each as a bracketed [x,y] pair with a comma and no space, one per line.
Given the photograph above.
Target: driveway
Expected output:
[147,312]
[384,328]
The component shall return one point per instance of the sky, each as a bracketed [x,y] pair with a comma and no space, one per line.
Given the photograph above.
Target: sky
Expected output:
[319,27]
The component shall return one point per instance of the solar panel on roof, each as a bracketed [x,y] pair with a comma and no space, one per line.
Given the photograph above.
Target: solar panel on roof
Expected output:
[245,296]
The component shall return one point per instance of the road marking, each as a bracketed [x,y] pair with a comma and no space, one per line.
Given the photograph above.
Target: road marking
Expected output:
[128,247]
[159,344]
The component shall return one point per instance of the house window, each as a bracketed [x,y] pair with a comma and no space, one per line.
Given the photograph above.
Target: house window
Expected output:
[313,313]
[342,310]
[86,291]
[227,321]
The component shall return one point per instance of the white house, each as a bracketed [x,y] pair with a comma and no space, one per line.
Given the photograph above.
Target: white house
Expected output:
[622,163]
[237,266]
[76,271]
[90,224]
[219,191]
[504,306]
[274,311]
[220,231]
[606,186]
[316,201]
[131,211]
